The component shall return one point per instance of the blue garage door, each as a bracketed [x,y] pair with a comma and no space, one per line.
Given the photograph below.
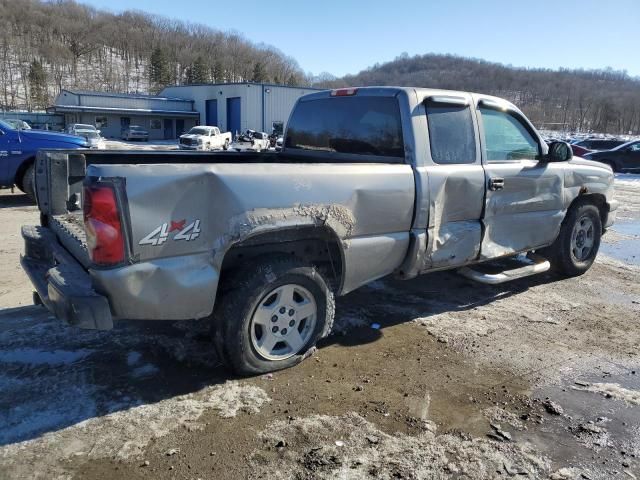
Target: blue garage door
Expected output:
[212,113]
[233,115]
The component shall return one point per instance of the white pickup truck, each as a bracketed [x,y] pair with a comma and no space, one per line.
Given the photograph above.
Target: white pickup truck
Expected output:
[203,137]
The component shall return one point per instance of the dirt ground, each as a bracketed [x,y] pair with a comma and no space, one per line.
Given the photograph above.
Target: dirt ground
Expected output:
[538,378]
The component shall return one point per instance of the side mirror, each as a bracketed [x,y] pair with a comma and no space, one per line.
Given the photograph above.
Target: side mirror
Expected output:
[559,152]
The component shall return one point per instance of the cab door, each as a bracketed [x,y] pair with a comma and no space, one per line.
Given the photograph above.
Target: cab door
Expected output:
[523,205]
[455,182]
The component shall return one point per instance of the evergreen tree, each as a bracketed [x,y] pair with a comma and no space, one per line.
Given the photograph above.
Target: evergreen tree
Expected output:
[199,71]
[292,80]
[159,69]
[38,91]
[217,72]
[259,74]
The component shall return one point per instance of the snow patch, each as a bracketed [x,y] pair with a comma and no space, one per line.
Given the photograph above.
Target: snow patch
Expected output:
[144,370]
[365,451]
[613,390]
[133,358]
[125,434]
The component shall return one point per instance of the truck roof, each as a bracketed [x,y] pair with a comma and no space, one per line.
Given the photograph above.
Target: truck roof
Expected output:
[420,92]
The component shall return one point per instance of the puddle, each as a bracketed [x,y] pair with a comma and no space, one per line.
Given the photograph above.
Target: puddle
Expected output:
[598,432]
[626,249]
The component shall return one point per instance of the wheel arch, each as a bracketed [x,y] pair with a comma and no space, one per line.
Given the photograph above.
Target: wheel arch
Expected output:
[319,245]
[596,199]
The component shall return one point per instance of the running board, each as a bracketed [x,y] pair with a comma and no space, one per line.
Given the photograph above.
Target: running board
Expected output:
[531,265]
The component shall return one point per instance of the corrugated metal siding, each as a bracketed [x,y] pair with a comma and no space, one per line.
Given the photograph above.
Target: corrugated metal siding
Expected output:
[278,102]
[135,103]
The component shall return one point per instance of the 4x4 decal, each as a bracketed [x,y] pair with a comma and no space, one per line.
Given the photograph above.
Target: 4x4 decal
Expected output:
[160,234]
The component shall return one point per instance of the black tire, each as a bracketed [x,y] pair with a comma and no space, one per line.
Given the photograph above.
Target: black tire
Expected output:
[226,145]
[562,254]
[234,312]
[28,182]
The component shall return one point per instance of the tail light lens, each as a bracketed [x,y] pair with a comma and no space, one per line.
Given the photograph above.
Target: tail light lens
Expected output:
[102,224]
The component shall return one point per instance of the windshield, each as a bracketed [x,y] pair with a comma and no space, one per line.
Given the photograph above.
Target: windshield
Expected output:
[135,127]
[88,134]
[199,131]
[80,126]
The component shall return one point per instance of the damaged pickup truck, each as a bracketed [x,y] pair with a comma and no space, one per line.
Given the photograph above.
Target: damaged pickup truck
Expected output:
[370,182]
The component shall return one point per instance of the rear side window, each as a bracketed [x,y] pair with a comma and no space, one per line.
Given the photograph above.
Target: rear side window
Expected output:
[451,134]
[349,125]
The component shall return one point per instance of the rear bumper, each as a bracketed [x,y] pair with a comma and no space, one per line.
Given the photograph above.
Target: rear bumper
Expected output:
[64,287]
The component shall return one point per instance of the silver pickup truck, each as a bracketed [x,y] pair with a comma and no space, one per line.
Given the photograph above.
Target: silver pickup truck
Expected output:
[370,182]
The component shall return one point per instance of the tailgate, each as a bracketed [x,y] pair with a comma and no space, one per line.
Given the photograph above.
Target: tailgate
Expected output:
[59,177]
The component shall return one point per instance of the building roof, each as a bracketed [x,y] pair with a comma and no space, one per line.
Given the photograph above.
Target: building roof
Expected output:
[130,111]
[242,83]
[87,93]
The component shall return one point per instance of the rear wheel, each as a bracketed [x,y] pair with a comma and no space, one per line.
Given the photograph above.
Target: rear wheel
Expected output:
[577,245]
[226,145]
[28,182]
[274,314]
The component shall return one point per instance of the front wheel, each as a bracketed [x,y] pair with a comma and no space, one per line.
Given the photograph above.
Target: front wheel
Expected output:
[226,145]
[275,312]
[577,245]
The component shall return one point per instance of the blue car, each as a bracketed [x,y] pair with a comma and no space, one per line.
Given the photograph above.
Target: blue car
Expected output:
[18,150]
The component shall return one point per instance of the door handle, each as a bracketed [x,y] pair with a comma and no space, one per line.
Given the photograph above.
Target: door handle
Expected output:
[496,183]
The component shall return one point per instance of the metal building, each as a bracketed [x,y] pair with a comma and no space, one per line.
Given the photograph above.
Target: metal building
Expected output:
[236,107]
[164,117]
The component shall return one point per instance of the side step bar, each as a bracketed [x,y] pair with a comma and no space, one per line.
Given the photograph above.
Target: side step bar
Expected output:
[531,265]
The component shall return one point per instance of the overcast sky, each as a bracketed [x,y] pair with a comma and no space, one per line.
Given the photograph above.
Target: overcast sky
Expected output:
[350,35]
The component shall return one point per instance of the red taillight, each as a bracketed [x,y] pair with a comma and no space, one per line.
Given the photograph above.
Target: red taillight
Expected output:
[344,92]
[102,225]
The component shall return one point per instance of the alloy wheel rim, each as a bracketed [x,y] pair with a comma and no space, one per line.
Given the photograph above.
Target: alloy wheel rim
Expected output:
[283,322]
[582,238]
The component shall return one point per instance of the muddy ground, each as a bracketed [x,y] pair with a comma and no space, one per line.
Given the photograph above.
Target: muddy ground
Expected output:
[539,378]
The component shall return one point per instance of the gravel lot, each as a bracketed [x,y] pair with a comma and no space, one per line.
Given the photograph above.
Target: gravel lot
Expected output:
[539,377]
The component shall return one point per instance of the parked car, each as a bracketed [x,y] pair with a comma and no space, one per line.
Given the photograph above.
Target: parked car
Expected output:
[135,132]
[251,141]
[625,158]
[205,138]
[579,151]
[74,128]
[598,144]
[18,149]
[17,124]
[93,138]
[370,182]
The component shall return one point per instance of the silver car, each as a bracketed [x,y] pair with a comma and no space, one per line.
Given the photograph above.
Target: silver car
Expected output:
[135,132]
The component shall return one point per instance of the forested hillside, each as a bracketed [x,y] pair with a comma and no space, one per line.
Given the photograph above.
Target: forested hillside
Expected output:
[47,46]
[602,101]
